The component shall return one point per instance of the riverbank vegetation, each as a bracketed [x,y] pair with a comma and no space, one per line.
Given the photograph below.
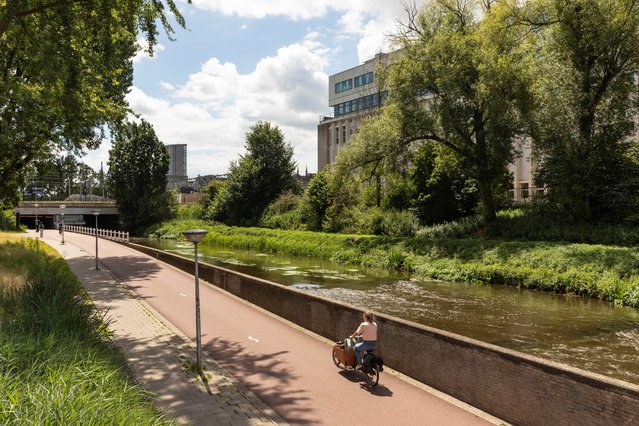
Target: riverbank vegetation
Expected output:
[57,365]
[605,272]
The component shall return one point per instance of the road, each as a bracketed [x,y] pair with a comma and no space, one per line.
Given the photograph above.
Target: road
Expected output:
[288,368]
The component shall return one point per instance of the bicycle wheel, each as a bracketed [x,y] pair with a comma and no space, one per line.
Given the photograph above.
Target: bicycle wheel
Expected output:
[335,360]
[372,376]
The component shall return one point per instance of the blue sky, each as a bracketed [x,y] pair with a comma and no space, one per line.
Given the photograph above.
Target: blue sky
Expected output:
[241,61]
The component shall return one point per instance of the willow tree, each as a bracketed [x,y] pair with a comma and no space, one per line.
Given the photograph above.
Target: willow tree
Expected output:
[586,88]
[65,68]
[460,80]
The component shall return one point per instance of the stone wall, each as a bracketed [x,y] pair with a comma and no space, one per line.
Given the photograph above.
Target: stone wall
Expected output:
[517,388]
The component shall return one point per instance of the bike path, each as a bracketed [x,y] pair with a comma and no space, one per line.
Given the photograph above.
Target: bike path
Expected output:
[288,368]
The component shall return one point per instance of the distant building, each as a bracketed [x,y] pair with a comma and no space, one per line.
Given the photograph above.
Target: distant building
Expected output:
[177,175]
[355,93]
[352,94]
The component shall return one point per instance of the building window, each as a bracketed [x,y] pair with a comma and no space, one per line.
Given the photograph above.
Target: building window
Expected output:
[344,133]
[344,85]
[363,79]
[337,136]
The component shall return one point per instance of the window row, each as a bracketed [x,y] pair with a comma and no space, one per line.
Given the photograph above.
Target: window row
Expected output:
[344,85]
[359,104]
[363,79]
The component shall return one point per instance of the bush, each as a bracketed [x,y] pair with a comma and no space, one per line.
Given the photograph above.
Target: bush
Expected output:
[466,227]
[7,221]
[284,212]
[189,212]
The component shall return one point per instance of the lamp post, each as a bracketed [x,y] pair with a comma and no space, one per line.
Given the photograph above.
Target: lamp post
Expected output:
[36,222]
[195,236]
[96,213]
[62,206]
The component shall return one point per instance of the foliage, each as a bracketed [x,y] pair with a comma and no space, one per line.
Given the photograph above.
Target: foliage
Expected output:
[258,178]
[58,365]
[377,221]
[284,212]
[189,211]
[138,165]
[461,81]
[210,192]
[441,190]
[65,71]
[317,198]
[7,220]
[588,54]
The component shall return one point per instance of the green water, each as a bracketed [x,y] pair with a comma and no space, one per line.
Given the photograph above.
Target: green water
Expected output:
[584,333]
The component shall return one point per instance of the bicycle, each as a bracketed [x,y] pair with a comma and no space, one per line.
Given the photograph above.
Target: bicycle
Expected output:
[344,355]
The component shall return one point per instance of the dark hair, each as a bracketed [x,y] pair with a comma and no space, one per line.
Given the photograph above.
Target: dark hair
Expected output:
[368,316]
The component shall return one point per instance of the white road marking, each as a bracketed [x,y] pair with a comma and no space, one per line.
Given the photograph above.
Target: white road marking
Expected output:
[254,339]
[182,294]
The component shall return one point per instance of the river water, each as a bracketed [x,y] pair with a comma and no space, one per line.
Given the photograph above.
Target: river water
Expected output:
[584,333]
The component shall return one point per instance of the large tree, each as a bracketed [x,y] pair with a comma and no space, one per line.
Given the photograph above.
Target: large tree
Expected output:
[460,81]
[587,58]
[257,179]
[65,68]
[137,177]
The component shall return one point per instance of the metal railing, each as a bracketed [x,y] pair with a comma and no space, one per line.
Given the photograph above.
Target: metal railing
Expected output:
[107,234]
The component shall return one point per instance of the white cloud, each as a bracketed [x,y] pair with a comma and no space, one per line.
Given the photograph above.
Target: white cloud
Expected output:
[370,20]
[143,50]
[214,108]
[167,86]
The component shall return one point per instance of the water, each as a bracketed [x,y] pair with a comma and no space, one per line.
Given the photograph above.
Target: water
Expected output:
[584,333]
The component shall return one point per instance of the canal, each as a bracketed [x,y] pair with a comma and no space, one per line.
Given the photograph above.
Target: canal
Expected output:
[580,332]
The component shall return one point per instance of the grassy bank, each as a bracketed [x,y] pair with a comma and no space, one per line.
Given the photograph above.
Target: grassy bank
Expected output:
[605,272]
[56,363]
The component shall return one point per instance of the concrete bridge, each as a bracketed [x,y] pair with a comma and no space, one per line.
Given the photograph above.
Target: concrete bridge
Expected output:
[70,212]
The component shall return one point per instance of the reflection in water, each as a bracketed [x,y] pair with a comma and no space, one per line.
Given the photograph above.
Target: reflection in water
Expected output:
[581,332]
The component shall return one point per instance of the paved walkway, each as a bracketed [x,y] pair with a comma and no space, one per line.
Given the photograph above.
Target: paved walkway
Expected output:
[265,370]
[159,356]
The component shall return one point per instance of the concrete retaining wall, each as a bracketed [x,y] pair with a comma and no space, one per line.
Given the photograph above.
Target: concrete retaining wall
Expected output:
[517,388]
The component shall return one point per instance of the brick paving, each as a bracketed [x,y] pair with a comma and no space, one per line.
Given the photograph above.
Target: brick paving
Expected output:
[159,356]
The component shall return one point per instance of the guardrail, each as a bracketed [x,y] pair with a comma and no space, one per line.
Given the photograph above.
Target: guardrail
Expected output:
[107,234]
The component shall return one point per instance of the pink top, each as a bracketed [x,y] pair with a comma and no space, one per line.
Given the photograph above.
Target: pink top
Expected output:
[368,331]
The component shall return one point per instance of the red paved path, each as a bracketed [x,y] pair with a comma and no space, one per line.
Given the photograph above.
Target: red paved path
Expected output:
[287,368]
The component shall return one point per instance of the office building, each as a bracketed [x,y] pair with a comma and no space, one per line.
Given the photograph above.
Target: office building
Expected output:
[355,93]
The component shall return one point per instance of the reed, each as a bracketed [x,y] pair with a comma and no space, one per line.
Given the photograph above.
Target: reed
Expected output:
[57,365]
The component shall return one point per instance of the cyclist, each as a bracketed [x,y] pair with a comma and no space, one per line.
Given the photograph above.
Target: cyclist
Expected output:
[368,331]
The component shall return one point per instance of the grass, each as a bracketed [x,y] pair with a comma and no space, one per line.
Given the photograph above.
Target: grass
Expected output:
[605,272]
[57,365]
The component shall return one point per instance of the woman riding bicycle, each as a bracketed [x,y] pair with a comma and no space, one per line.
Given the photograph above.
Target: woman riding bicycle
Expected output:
[368,331]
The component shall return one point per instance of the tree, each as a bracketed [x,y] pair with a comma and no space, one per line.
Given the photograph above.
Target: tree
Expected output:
[137,176]
[586,91]
[317,199]
[257,179]
[65,68]
[460,80]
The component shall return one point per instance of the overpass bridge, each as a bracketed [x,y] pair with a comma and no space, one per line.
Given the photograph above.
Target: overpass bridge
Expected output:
[70,212]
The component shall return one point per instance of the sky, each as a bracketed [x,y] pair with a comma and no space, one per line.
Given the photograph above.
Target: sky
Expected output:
[243,61]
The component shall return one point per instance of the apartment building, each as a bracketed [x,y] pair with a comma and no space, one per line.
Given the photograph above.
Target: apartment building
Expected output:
[177,175]
[355,93]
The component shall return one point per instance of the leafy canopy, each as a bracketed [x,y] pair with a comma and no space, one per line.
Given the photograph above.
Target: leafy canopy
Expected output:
[137,177]
[257,179]
[65,69]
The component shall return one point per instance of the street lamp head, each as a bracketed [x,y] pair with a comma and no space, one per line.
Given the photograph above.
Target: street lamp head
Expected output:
[95,212]
[195,235]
